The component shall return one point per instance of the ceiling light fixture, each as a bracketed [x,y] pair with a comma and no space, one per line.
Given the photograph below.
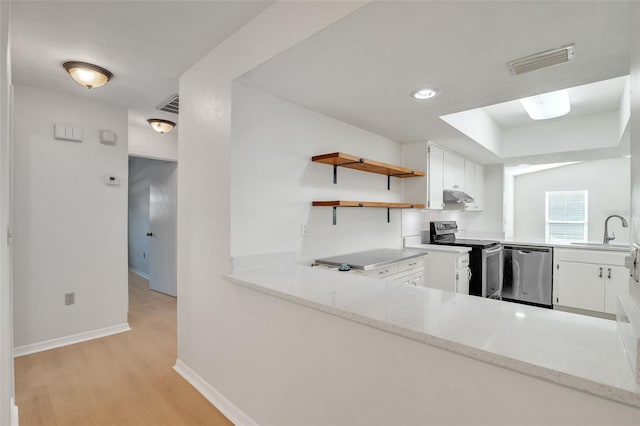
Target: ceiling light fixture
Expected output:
[87,75]
[160,125]
[548,105]
[426,93]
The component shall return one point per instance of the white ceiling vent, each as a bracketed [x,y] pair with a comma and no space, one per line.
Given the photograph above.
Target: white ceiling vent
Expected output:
[171,104]
[544,59]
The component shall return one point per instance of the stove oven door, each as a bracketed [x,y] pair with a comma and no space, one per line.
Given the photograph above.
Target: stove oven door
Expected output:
[492,272]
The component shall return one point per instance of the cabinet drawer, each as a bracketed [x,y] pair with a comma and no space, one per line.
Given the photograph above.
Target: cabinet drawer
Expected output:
[417,262]
[383,271]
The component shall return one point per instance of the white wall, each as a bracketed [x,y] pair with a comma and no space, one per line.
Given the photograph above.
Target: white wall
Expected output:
[606,180]
[138,225]
[479,126]
[205,337]
[70,228]
[488,223]
[6,285]
[273,181]
[147,143]
[569,134]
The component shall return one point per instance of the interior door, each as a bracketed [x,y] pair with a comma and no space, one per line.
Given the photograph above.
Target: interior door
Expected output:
[162,229]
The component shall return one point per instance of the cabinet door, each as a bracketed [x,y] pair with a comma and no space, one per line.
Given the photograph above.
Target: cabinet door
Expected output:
[440,271]
[416,279]
[581,285]
[478,196]
[470,183]
[462,280]
[616,281]
[453,172]
[435,172]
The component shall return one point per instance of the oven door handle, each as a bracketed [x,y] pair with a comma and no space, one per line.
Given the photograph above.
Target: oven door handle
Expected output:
[494,250]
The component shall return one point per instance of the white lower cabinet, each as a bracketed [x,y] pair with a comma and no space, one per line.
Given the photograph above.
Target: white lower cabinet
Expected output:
[447,271]
[617,281]
[589,279]
[407,272]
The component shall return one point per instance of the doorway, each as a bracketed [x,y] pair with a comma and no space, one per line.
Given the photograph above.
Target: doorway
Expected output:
[152,222]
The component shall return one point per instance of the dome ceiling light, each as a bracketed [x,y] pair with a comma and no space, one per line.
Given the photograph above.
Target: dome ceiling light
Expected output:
[87,75]
[160,125]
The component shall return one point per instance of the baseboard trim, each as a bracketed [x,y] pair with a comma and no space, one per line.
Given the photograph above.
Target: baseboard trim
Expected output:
[226,407]
[14,413]
[139,272]
[69,340]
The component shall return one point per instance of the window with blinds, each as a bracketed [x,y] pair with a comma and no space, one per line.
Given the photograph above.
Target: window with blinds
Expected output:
[566,216]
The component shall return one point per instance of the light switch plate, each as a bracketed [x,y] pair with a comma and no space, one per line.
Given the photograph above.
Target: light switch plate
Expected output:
[65,132]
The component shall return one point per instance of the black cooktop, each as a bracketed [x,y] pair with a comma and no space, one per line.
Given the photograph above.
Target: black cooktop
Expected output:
[468,243]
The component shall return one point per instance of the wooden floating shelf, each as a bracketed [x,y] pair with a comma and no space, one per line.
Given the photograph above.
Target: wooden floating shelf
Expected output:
[374,204]
[340,159]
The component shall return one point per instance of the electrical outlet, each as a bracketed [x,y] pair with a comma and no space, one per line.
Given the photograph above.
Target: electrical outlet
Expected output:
[69,298]
[303,229]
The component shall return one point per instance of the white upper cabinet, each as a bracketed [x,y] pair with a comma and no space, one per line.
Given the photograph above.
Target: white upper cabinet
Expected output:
[453,171]
[474,185]
[435,172]
[428,189]
[444,170]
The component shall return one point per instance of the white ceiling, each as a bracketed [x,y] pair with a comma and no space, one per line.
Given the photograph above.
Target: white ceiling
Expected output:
[146,44]
[588,99]
[362,69]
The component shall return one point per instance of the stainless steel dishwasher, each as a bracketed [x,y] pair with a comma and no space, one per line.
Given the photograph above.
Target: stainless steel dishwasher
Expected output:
[528,275]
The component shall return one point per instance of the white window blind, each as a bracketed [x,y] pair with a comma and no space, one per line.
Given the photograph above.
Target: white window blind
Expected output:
[566,216]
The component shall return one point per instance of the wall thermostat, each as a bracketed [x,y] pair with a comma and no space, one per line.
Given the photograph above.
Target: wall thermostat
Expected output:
[112,180]
[107,137]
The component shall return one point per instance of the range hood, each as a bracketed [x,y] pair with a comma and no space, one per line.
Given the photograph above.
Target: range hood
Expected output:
[450,196]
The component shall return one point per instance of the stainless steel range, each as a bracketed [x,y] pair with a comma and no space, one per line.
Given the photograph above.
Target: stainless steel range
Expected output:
[485,258]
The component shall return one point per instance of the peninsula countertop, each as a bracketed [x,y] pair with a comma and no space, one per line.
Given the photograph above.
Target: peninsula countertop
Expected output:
[578,351]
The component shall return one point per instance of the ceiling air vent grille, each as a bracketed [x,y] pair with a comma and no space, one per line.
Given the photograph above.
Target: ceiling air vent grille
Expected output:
[545,59]
[171,104]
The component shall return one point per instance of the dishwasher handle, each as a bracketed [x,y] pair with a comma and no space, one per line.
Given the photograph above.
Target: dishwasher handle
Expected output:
[529,249]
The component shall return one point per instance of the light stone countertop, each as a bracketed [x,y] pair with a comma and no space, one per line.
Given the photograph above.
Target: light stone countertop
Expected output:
[578,351]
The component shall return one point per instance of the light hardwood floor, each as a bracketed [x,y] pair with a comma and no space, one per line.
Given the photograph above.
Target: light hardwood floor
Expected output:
[124,379]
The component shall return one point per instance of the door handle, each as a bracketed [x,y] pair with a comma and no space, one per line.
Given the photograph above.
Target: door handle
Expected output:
[600,273]
[149,234]
[609,273]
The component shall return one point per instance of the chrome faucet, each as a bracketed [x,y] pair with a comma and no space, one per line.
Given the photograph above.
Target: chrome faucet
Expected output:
[607,238]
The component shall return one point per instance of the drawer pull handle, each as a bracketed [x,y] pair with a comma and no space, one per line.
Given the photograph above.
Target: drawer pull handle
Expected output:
[413,264]
[383,272]
[609,271]
[600,273]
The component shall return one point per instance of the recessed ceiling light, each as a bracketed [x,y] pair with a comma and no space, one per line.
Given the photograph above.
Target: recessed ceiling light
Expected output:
[426,93]
[87,75]
[547,105]
[627,156]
